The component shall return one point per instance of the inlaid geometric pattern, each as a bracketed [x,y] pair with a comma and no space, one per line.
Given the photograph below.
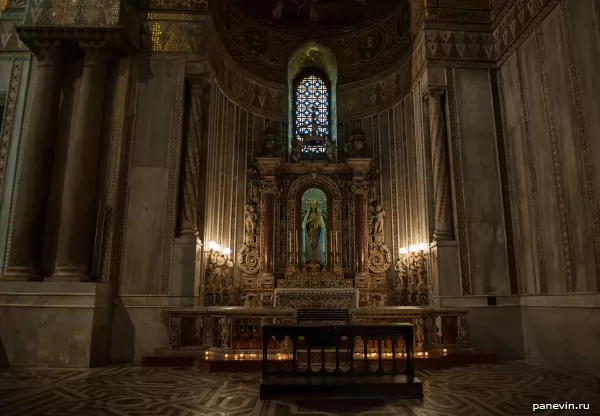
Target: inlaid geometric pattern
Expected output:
[510,388]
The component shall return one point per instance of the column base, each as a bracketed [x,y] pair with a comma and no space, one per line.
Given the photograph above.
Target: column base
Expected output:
[445,269]
[39,328]
[22,274]
[183,273]
[70,273]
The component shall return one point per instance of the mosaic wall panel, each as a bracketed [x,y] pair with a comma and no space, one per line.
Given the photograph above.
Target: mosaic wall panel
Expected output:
[515,23]
[191,5]
[460,45]
[95,13]
[462,11]
[175,34]
[257,95]
[9,40]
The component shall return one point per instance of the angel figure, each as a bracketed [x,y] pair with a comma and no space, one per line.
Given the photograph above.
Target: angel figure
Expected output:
[378,220]
[250,222]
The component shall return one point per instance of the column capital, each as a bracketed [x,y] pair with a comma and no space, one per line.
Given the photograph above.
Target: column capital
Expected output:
[97,53]
[199,84]
[49,53]
[434,92]
[268,187]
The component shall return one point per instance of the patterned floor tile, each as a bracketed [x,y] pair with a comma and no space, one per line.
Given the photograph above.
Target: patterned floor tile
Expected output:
[505,389]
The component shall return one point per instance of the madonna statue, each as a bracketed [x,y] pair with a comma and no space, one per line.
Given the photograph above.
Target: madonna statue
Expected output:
[314,226]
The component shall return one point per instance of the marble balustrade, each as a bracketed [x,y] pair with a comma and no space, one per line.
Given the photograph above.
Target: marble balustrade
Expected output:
[234,331]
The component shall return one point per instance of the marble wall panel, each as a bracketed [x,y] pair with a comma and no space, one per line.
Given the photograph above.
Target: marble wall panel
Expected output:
[137,332]
[565,336]
[52,324]
[558,62]
[483,209]
[154,122]
[583,18]
[570,142]
[145,232]
[543,165]
[516,144]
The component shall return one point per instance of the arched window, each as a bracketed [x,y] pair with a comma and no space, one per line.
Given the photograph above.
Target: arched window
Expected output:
[312,117]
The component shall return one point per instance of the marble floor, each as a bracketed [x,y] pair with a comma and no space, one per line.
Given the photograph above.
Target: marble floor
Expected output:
[509,388]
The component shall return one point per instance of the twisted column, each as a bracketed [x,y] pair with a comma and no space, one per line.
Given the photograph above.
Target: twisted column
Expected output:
[440,167]
[192,153]
[24,259]
[76,232]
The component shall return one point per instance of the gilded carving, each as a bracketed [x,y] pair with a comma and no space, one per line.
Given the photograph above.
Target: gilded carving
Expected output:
[380,256]
[248,257]
[225,332]
[355,146]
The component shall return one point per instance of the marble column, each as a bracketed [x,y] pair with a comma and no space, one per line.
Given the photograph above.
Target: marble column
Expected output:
[444,271]
[440,167]
[198,85]
[187,271]
[24,259]
[76,230]
[360,229]
[268,204]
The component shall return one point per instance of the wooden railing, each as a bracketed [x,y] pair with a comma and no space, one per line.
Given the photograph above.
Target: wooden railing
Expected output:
[343,338]
[351,373]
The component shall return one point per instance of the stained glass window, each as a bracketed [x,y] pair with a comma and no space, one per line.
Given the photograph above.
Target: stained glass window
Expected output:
[311,112]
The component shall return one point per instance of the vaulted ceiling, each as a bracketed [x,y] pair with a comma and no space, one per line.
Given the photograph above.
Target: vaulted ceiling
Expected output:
[367,36]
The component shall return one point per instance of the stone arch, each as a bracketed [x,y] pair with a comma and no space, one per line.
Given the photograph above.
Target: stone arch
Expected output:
[319,181]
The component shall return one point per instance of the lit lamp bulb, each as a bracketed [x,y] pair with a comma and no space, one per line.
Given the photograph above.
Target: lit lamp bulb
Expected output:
[412,248]
[227,251]
[422,246]
[211,245]
[217,247]
[403,251]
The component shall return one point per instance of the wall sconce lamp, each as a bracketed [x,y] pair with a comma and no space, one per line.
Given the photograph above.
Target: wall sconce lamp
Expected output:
[412,266]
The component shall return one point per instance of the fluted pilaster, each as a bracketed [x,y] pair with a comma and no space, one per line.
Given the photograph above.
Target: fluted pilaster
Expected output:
[268,189]
[440,167]
[24,259]
[76,232]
